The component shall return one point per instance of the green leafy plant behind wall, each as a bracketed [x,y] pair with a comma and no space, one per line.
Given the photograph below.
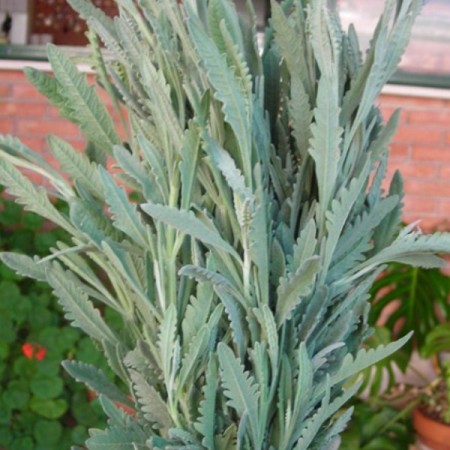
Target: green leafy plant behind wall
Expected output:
[242,263]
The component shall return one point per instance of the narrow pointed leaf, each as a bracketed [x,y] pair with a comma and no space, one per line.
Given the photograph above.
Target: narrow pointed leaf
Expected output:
[186,222]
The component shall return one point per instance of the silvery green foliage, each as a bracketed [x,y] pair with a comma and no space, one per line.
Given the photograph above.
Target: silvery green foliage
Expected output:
[242,270]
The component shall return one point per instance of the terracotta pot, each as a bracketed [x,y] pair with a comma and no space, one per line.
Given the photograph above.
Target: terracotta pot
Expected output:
[433,434]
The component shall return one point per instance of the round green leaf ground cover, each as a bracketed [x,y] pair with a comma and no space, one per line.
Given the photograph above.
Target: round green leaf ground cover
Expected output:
[41,407]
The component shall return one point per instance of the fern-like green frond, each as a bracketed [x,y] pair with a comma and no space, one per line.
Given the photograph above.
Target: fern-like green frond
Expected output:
[82,103]
[240,387]
[96,380]
[78,309]
[236,104]
[293,289]
[151,404]
[33,198]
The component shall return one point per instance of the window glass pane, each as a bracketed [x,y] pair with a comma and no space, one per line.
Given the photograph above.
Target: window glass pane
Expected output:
[429,50]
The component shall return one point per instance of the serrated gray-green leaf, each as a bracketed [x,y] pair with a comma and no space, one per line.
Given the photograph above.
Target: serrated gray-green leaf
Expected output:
[258,234]
[151,404]
[223,11]
[133,167]
[16,148]
[77,307]
[235,103]
[236,317]
[236,59]
[206,420]
[332,439]
[314,312]
[85,107]
[117,417]
[386,230]
[156,163]
[167,340]
[326,139]
[197,313]
[339,212]
[124,213]
[47,86]
[24,265]
[293,289]
[186,437]
[225,163]
[380,145]
[301,116]
[186,222]
[95,379]
[197,349]
[305,247]
[87,10]
[325,39]
[292,47]
[76,165]
[326,411]
[81,268]
[124,93]
[239,387]
[130,39]
[362,226]
[117,439]
[204,275]
[115,354]
[267,321]
[290,42]
[33,198]
[126,267]
[300,405]
[87,221]
[352,365]
[410,247]
[158,91]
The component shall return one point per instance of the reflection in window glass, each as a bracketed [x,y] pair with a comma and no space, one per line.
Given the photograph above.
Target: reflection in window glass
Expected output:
[429,50]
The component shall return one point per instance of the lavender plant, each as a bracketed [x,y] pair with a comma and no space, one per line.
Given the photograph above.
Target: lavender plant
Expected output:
[241,268]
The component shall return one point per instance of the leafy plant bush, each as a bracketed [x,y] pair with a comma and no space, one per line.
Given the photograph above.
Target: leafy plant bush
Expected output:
[417,298]
[378,427]
[41,407]
[406,299]
[241,266]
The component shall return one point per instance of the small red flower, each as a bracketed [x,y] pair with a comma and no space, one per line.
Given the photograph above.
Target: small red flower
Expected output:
[40,353]
[28,350]
[33,350]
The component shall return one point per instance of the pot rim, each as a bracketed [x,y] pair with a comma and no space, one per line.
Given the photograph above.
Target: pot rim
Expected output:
[432,433]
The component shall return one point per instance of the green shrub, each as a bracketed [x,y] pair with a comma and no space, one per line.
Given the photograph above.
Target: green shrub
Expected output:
[41,407]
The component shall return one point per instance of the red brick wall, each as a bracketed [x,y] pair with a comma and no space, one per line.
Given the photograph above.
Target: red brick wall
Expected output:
[421,151]
[421,147]
[26,114]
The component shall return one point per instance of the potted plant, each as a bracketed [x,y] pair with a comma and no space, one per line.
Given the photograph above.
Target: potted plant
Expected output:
[405,299]
[241,227]
[415,379]
[431,418]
